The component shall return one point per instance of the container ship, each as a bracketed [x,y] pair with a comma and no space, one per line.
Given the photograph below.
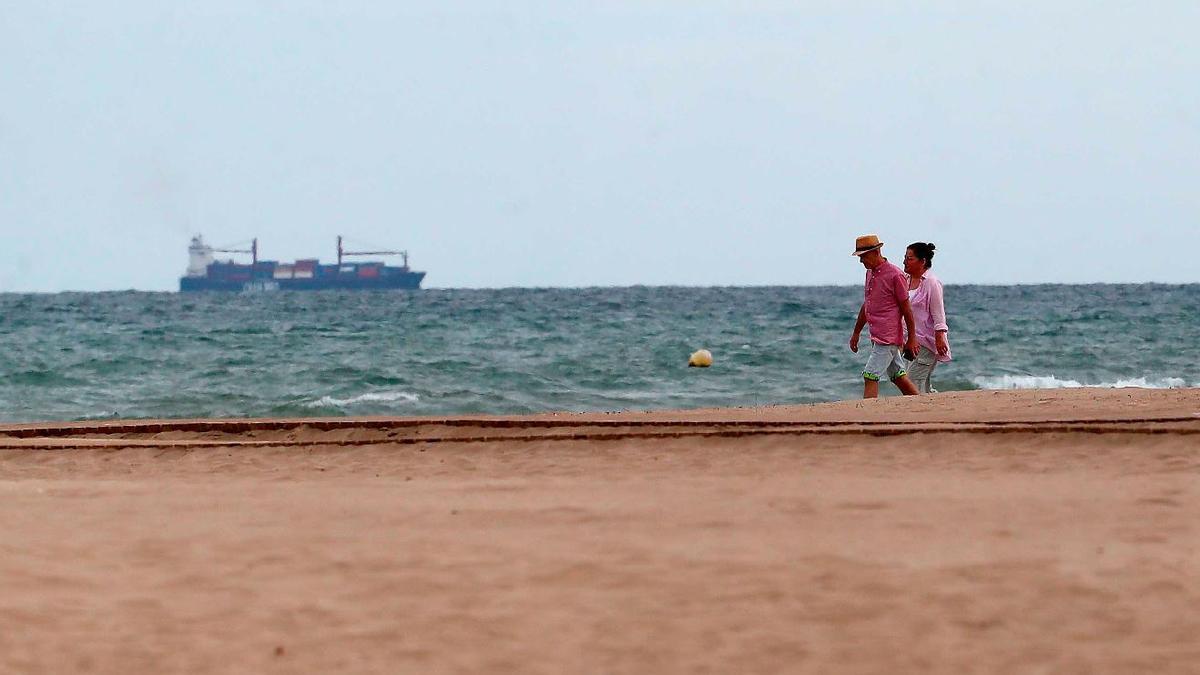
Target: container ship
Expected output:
[205,273]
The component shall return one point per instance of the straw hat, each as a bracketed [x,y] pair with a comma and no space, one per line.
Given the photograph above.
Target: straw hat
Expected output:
[865,243]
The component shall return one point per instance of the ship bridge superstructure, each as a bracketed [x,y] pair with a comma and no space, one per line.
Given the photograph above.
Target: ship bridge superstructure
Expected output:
[200,256]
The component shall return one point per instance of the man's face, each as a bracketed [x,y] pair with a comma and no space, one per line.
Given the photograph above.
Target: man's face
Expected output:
[871,259]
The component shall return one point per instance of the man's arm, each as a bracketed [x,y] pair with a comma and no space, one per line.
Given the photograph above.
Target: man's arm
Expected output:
[900,292]
[858,326]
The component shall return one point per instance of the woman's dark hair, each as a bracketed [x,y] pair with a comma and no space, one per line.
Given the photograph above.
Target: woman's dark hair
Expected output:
[924,252]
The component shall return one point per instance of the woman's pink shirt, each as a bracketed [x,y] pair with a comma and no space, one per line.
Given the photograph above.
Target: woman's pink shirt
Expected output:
[929,314]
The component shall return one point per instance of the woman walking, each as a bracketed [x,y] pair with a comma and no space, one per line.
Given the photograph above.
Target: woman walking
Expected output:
[929,314]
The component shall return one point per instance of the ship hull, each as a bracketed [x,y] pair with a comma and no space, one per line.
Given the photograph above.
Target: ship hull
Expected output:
[403,281]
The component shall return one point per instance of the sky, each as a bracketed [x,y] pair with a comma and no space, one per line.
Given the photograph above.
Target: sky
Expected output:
[613,143]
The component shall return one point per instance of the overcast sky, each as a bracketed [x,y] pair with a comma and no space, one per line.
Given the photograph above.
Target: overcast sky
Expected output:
[601,143]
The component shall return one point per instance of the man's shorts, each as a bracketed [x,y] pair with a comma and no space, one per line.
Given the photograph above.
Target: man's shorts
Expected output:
[884,360]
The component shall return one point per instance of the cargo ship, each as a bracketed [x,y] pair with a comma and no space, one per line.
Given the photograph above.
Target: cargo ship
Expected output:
[206,273]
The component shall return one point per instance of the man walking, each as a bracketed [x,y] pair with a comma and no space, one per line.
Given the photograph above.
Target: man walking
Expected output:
[885,302]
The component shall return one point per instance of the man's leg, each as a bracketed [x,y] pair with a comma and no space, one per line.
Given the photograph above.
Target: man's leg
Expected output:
[898,374]
[878,363]
[870,388]
[906,386]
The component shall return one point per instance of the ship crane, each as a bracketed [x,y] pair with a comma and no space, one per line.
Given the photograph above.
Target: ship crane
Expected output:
[253,250]
[341,252]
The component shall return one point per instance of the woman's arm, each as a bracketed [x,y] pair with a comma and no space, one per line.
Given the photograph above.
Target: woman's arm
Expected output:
[937,308]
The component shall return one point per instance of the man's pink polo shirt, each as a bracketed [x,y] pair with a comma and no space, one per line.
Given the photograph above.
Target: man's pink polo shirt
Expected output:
[885,290]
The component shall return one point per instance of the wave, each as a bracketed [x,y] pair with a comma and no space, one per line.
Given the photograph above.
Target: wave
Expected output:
[1052,382]
[370,397]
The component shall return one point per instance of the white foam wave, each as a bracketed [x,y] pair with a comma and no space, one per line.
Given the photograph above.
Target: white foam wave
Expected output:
[1052,382]
[370,397]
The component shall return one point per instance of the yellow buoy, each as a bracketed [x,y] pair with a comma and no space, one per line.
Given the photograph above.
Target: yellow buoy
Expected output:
[700,359]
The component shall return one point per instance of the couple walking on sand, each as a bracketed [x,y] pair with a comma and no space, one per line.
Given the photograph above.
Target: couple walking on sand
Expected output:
[895,304]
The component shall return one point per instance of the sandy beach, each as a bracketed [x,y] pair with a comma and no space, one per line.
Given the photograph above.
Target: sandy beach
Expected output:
[974,532]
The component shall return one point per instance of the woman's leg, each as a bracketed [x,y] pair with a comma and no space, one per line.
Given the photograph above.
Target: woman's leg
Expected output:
[920,371]
[929,378]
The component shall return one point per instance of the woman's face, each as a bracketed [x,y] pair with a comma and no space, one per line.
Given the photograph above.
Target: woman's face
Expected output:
[912,264]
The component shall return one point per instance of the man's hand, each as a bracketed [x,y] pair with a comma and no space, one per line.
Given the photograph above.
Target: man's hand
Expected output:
[854,342]
[942,347]
[911,349]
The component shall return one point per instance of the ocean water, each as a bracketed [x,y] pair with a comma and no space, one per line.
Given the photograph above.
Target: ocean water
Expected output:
[131,354]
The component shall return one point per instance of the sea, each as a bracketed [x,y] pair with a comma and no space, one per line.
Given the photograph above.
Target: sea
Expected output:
[85,356]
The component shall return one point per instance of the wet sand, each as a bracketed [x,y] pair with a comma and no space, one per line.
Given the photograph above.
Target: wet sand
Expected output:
[1033,531]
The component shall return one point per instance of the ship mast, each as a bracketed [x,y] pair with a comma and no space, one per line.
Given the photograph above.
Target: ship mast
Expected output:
[341,253]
